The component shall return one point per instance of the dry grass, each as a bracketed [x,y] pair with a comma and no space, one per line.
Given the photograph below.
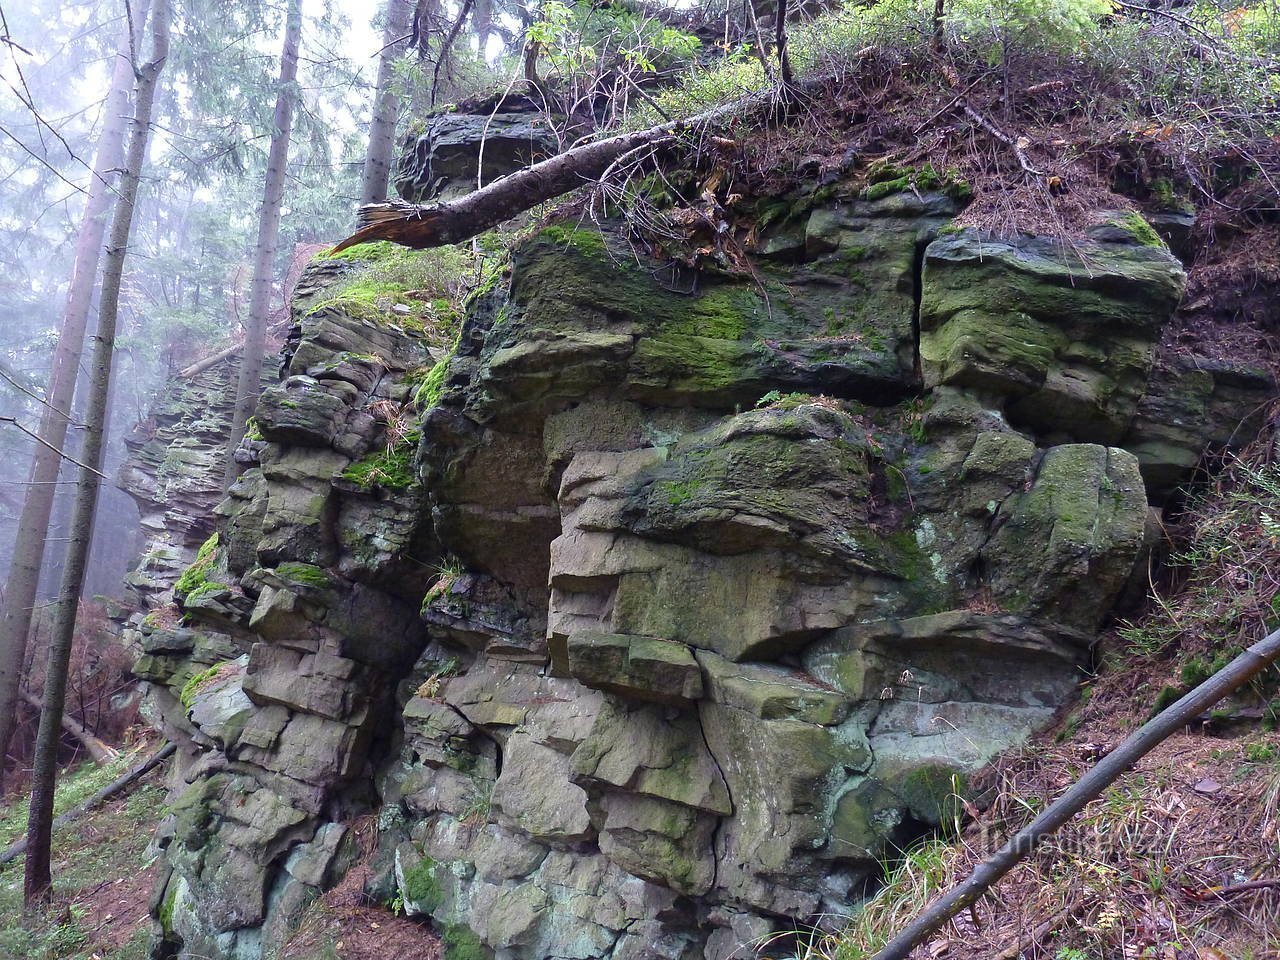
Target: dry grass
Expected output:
[1150,869]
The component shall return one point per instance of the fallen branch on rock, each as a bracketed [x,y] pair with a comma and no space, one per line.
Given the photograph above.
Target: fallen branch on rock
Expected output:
[436,224]
[1226,681]
[102,796]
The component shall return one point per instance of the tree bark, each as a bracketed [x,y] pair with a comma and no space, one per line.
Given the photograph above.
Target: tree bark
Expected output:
[37,881]
[28,554]
[386,104]
[436,224]
[250,381]
[1227,680]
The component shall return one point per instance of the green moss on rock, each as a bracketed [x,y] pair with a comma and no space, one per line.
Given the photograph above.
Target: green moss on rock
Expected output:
[1137,227]
[421,888]
[305,574]
[195,579]
[197,682]
[391,469]
[432,385]
[461,943]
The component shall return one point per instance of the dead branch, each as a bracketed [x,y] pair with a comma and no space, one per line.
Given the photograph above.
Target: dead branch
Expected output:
[40,440]
[1227,680]
[1016,145]
[200,366]
[102,796]
[98,751]
[448,44]
[1212,893]
[761,54]
[435,224]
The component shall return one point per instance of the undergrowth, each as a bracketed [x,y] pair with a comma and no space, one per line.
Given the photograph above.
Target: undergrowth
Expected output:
[100,868]
[1050,110]
[1220,590]
[420,290]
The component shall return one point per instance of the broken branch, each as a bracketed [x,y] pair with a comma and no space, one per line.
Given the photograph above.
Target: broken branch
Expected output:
[436,224]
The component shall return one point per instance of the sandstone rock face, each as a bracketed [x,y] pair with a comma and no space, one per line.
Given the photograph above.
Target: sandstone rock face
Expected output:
[444,159]
[706,594]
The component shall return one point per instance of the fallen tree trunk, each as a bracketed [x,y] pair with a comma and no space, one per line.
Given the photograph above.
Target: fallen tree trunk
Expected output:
[99,798]
[200,366]
[436,224]
[98,750]
[1226,681]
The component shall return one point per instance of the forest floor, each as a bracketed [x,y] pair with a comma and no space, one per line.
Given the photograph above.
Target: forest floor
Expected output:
[101,867]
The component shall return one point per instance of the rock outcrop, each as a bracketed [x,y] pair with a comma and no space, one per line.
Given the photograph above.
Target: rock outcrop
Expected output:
[693,597]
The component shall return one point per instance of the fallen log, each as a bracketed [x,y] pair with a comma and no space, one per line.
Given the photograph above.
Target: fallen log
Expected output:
[102,796]
[97,750]
[1226,681]
[436,224]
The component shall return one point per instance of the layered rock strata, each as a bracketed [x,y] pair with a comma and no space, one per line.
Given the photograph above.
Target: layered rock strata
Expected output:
[703,595]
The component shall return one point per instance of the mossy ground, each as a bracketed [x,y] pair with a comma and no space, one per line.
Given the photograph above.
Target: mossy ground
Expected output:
[419,290]
[101,873]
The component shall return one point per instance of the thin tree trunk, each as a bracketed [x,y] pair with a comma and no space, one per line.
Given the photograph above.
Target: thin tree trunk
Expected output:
[264,254]
[37,881]
[28,554]
[386,104]
[1223,683]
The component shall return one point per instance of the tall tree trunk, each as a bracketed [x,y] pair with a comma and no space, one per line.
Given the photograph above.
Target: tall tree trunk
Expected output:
[264,254]
[37,882]
[386,104]
[28,553]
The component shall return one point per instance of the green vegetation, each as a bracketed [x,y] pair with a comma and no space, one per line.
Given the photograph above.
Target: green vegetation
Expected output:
[108,844]
[421,888]
[305,574]
[420,290]
[776,399]
[924,871]
[197,681]
[1219,588]
[447,570]
[460,943]
[428,393]
[195,579]
[391,469]
[1137,227]
[885,178]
